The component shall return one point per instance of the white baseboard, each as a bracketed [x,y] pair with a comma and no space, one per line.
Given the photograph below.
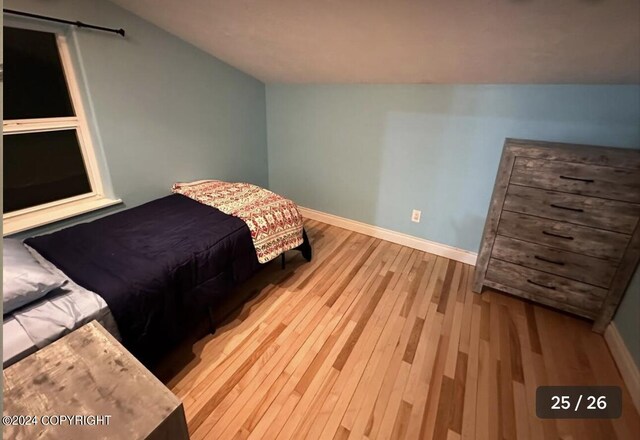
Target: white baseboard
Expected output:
[421,244]
[626,365]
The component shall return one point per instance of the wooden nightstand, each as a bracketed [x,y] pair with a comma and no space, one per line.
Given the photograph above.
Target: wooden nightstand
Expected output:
[88,373]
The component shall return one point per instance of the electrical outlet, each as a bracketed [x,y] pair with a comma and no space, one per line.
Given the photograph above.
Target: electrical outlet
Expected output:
[415,216]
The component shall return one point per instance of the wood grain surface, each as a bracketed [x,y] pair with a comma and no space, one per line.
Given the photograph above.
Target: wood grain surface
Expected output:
[88,372]
[589,180]
[566,236]
[584,297]
[372,340]
[610,215]
[546,259]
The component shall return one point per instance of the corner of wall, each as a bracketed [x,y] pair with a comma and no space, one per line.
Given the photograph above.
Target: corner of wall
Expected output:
[624,360]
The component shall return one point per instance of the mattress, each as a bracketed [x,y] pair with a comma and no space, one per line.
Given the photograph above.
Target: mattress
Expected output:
[36,325]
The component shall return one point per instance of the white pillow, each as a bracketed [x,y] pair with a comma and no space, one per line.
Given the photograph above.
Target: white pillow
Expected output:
[24,280]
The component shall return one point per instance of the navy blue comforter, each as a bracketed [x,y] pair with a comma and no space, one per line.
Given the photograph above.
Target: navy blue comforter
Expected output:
[154,265]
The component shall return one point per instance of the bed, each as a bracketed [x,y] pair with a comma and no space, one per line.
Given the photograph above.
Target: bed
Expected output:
[61,311]
[156,266]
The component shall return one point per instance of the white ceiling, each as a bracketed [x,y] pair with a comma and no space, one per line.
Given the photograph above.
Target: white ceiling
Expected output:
[411,41]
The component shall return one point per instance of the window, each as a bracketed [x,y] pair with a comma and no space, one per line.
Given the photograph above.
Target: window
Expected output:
[50,168]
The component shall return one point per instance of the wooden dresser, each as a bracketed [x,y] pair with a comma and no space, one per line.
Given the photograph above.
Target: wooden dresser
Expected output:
[562,227]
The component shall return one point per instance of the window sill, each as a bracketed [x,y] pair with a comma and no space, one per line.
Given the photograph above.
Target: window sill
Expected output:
[32,218]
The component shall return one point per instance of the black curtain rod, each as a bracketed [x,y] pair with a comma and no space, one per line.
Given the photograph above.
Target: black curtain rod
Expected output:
[60,20]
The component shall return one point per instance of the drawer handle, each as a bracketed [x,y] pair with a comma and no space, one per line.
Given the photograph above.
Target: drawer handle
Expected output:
[568,208]
[577,178]
[546,260]
[541,285]
[566,237]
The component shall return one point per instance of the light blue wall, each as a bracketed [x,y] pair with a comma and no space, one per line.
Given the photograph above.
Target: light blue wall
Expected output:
[627,319]
[375,152]
[164,111]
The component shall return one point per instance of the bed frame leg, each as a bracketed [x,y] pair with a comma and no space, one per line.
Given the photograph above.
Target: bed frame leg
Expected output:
[282,259]
[305,247]
[212,324]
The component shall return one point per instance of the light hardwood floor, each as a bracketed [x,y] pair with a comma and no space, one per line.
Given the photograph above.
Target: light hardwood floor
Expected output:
[376,340]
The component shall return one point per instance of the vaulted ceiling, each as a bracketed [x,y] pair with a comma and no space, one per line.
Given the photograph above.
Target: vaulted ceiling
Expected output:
[411,41]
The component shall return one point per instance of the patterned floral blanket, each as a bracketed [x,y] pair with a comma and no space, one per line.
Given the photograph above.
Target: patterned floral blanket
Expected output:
[275,223]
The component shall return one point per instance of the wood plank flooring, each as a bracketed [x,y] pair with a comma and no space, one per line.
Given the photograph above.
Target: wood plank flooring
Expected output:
[378,341]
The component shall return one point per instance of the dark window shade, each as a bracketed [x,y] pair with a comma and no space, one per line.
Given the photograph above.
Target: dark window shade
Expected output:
[34,81]
[41,168]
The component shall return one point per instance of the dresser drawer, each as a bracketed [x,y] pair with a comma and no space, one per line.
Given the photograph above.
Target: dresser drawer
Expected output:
[600,213]
[560,235]
[589,180]
[555,261]
[584,297]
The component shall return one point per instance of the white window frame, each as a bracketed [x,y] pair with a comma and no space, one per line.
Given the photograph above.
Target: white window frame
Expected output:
[39,215]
